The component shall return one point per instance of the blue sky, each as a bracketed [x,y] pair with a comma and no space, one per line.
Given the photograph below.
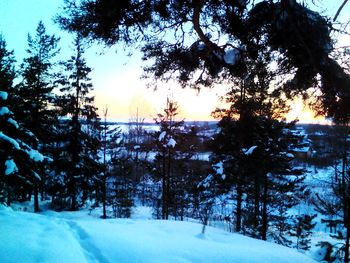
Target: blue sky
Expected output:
[115,75]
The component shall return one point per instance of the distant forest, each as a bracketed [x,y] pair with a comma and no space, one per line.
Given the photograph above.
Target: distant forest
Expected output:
[247,171]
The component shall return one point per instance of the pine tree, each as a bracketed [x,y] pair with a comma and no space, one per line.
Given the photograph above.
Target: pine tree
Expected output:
[208,190]
[166,143]
[77,158]
[111,143]
[34,97]
[121,185]
[174,147]
[335,203]
[303,227]
[18,160]
[38,81]
[255,149]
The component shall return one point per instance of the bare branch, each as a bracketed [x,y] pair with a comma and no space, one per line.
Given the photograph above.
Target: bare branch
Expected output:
[339,10]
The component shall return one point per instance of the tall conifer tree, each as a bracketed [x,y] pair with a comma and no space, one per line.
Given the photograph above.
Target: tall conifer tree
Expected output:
[34,100]
[18,160]
[77,160]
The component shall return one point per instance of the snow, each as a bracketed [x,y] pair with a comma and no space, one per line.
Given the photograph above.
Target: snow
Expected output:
[137,147]
[162,136]
[219,169]
[301,149]
[10,140]
[37,176]
[3,95]
[27,237]
[78,237]
[201,47]
[4,110]
[250,150]
[10,166]
[171,143]
[290,155]
[206,182]
[230,56]
[35,155]
[13,122]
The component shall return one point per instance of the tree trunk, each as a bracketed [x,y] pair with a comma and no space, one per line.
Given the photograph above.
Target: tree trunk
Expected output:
[104,197]
[36,199]
[256,203]
[73,197]
[239,208]
[264,210]
[8,198]
[346,248]
[168,185]
[164,199]
[347,226]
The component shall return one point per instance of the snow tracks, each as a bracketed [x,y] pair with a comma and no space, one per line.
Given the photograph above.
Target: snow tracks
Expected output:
[93,254]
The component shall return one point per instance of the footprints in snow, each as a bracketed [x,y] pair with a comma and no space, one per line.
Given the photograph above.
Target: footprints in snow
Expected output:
[92,252]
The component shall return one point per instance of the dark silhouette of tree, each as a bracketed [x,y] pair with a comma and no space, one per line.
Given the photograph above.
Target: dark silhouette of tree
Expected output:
[77,157]
[34,98]
[212,39]
[18,160]
[166,145]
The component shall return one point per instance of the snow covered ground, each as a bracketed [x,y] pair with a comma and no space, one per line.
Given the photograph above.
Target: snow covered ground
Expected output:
[80,237]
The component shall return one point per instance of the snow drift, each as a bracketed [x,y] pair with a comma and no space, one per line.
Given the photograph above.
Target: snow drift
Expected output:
[77,237]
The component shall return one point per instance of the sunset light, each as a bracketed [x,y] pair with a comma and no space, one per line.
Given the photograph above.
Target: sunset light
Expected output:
[172,131]
[117,77]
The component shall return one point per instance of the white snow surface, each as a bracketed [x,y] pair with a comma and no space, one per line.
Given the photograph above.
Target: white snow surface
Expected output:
[162,136]
[10,166]
[3,95]
[72,237]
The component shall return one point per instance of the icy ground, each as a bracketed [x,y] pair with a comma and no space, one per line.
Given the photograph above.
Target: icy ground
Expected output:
[79,237]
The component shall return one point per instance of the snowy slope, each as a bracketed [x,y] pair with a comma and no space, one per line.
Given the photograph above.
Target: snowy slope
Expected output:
[77,237]
[27,237]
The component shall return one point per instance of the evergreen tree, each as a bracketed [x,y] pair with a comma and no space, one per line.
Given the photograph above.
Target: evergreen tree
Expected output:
[255,147]
[166,152]
[77,158]
[18,160]
[303,227]
[174,149]
[38,81]
[121,185]
[111,143]
[34,100]
[335,202]
[209,189]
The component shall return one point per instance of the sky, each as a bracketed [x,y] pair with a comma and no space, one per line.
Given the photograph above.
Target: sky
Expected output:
[116,76]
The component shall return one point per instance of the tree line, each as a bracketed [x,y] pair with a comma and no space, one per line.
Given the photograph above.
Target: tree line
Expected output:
[266,52]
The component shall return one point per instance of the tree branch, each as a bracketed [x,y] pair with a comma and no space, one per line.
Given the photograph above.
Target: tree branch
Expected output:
[339,10]
[196,25]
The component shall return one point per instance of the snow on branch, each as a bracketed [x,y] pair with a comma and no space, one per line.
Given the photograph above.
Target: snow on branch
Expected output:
[11,167]
[250,150]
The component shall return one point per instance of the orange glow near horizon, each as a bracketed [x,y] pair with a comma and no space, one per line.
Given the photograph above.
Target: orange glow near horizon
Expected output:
[301,111]
[129,97]
[125,95]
